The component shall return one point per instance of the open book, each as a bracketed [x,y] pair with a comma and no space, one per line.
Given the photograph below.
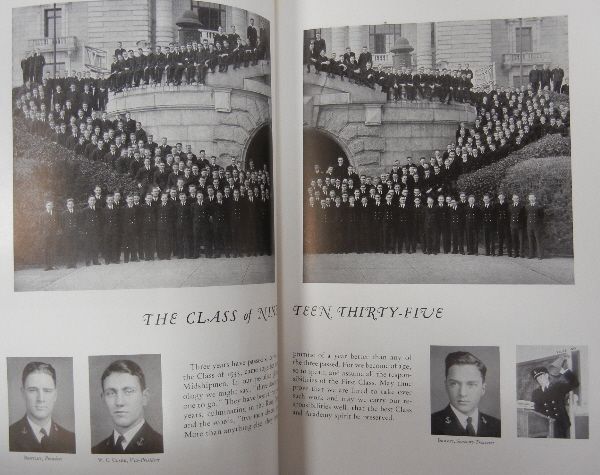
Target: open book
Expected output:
[279,237]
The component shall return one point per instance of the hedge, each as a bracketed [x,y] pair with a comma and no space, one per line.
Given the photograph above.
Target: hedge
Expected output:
[44,170]
[550,179]
[487,179]
[543,167]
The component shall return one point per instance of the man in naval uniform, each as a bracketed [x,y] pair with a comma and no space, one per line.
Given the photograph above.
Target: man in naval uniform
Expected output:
[549,397]
[37,431]
[125,394]
[465,385]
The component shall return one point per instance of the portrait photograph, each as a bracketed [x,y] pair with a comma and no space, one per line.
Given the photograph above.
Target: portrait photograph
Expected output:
[438,153]
[41,413]
[126,404]
[142,145]
[552,392]
[465,391]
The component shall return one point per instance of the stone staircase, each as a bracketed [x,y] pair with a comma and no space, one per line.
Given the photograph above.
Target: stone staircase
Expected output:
[320,84]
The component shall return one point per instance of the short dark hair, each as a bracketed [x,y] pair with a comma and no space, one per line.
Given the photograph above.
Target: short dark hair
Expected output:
[465,358]
[127,367]
[38,367]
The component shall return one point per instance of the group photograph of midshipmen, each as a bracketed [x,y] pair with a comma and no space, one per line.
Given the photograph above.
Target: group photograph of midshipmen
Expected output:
[465,391]
[189,63]
[552,392]
[126,404]
[108,185]
[41,409]
[459,155]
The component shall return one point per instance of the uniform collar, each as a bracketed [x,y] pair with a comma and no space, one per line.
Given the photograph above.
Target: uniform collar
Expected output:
[36,428]
[128,435]
[462,418]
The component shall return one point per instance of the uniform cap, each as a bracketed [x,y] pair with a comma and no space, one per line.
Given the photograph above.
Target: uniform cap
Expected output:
[538,371]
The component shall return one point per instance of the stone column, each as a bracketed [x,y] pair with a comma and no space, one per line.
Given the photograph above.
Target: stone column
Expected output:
[239,19]
[358,36]
[327,35]
[424,53]
[165,23]
[401,60]
[339,37]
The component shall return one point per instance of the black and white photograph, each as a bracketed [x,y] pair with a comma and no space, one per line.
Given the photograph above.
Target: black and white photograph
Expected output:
[126,404]
[465,391]
[438,153]
[552,392]
[142,151]
[41,413]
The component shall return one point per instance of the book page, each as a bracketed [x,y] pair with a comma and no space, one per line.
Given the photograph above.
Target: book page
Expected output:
[137,263]
[438,297]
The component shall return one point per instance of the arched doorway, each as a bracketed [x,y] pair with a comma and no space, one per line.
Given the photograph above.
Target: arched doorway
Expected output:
[260,149]
[258,155]
[321,148]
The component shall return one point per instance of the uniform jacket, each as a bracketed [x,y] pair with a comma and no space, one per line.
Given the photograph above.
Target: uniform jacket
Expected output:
[502,214]
[22,439]
[111,221]
[534,215]
[517,216]
[90,221]
[49,224]
[488,215]
[148,217]
[472,216]
[146,441]
[69,223]
[551,402]
[445,422]
[430,217]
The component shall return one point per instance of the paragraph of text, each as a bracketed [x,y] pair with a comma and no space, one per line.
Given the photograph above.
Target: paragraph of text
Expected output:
[228,397]
[352,387]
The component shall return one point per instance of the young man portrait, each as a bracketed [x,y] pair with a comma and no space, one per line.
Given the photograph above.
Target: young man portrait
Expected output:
[465,386]
[126,396]
[37,430]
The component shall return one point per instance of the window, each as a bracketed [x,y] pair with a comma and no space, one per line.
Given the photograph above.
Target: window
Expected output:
[383,37]
[211,15]
[380,43]
[52,16]
[523,39]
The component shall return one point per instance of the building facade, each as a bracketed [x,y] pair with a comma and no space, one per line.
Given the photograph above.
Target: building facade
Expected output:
[359,124]
[87,32]
[496,50]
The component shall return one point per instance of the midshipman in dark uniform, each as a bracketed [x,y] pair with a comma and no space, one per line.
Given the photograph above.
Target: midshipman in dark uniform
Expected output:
[125,394]
[465,385]
[549,397]
[37,431]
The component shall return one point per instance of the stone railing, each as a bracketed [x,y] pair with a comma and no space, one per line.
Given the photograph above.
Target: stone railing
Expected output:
[63,43]
[254,78]
[384,59]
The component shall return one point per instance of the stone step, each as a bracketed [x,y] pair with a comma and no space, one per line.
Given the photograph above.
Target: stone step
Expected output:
[358,93]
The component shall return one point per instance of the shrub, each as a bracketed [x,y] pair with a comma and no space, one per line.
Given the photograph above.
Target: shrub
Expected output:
[44,170]
[487,179]
[543,167]
[550,179]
